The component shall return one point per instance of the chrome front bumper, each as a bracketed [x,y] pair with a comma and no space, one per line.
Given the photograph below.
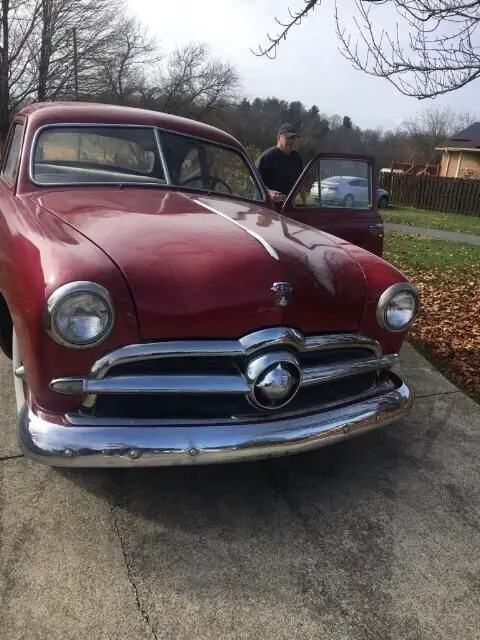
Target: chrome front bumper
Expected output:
[144,445]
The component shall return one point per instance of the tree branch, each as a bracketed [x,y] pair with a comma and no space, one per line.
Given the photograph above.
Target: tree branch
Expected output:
[295,19]
[434,50]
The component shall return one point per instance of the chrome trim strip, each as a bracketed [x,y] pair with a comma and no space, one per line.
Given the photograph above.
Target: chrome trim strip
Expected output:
[328,373]
[161,350]
[152,445]
[176,384]
[342,341]
[268,247]
[273,337]
[86,420]
[247,345]
[163,160]
[68,386]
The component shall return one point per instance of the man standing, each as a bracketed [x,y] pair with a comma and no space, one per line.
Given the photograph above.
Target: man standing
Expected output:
[280,166]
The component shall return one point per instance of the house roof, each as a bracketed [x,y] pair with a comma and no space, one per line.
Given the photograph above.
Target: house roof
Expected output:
[470,134]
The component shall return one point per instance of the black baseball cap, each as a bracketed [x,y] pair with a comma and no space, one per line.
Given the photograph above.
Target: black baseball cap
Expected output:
[287,130]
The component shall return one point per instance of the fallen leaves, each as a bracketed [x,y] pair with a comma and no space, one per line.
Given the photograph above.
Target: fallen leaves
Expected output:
[447,276]
[449,322]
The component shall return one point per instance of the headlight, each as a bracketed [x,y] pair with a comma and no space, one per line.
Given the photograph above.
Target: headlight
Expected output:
[79,314]
[397,307]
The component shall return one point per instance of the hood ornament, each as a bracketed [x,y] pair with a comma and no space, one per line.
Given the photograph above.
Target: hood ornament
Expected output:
[282,293]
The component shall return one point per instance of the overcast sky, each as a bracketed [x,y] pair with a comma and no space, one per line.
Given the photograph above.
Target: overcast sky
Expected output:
[308,66]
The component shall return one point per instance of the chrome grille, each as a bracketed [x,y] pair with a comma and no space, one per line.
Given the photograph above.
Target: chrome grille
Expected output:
[193,381]
[218,407]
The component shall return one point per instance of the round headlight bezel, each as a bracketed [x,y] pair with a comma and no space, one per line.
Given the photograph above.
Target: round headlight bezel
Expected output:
[60,295]
[385,299]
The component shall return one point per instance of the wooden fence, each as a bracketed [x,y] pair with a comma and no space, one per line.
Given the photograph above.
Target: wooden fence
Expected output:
[451,195]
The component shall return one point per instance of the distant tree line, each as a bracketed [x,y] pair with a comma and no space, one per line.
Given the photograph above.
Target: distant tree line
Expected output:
[255,123]
[94,50]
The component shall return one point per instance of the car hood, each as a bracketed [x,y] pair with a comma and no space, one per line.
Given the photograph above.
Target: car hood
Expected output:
[203,266]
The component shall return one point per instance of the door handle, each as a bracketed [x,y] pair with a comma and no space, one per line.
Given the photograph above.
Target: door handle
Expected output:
[379,225]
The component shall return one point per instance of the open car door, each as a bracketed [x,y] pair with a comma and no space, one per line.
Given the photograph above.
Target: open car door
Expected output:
[337,193]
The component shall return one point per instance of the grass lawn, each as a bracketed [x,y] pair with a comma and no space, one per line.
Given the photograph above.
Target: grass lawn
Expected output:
[432,219]
[422,253]
[447,276]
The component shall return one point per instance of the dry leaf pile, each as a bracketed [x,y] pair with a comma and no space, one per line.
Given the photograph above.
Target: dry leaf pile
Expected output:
[449,322]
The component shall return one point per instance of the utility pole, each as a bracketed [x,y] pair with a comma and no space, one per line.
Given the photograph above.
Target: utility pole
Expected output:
[75,61]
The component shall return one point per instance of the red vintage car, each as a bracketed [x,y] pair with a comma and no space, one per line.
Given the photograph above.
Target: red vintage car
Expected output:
[158,310]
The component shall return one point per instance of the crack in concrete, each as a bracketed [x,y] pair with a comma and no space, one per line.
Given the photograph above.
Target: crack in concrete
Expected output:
[440,393]
[128,567]
[281,491]
[12,456]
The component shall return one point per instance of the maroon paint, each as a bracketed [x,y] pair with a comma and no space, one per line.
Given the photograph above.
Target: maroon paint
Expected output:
[194,273]
[174,268]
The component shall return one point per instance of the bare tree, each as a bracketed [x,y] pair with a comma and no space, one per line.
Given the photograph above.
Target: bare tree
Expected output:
[18,20]
[431,128]
[195,85]
[38,59]
[439,122]
[123,68]
[435,48]
[95,23]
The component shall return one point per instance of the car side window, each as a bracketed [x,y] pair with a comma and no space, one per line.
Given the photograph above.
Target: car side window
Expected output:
[336,183]
[190,170]
[12,156]
[206,166]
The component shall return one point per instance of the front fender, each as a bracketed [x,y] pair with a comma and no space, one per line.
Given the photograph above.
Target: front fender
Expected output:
[379,275]
[45,255]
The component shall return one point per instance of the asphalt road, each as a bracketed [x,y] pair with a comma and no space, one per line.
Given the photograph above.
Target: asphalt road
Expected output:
[374,538]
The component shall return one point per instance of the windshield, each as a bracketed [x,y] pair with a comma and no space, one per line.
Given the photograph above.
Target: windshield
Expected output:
[99,154]
[76,155]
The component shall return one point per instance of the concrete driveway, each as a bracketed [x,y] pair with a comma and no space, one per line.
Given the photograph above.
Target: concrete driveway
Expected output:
[375,538]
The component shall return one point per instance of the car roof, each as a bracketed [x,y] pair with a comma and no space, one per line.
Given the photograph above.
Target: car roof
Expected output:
[336,178]
[48,113]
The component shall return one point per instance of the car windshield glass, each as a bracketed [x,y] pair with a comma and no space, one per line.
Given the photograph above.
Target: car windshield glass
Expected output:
[97,154]
[204,166]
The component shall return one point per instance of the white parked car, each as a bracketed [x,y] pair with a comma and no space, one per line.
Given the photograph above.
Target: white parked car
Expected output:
[347,191]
